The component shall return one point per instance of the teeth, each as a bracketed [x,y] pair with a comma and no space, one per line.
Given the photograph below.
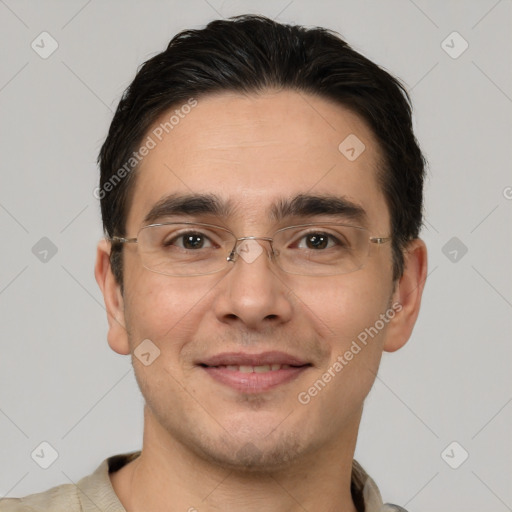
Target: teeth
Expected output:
[255,369]
[261,369]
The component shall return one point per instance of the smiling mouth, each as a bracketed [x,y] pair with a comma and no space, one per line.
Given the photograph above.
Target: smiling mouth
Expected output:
[264,368]
[254,373]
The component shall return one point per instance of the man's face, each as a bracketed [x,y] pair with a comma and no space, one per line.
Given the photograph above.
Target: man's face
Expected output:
[254,152]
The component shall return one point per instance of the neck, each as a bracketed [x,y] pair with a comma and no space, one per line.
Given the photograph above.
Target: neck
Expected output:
[169,477]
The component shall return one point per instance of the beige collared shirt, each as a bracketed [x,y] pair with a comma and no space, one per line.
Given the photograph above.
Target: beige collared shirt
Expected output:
[95,493]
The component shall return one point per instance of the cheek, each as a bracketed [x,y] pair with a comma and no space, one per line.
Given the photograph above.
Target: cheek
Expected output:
[347,309]
[163,308]
[344,306]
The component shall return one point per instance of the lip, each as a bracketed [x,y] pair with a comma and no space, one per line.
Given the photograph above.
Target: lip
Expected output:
[244,358]
[254,382]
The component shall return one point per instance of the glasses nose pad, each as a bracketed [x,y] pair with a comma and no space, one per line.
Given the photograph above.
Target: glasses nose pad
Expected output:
[232,256]
[268,247]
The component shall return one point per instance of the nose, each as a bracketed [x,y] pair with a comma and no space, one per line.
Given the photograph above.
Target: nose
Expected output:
[254,293]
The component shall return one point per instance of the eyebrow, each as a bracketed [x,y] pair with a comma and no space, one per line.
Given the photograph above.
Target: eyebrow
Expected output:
[302,205]
[307,205]
[190,204]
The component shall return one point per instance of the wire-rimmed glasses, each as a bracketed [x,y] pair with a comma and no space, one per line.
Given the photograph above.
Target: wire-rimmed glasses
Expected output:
[196,249]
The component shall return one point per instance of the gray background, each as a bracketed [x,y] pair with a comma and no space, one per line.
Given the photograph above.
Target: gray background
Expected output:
[59,380]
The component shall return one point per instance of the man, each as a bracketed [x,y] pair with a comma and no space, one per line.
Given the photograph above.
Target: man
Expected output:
[261,193]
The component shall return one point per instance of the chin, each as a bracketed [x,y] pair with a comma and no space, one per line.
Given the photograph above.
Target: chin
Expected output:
[251,454]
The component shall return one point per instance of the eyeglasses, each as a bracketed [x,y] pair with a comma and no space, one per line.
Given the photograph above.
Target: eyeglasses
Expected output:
[196,249]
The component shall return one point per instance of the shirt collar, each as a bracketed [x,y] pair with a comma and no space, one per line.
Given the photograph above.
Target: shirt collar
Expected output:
[96,491]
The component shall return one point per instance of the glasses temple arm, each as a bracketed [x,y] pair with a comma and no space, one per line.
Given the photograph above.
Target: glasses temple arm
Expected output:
[122,240]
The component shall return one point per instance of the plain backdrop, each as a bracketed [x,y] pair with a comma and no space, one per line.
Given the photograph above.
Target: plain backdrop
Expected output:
[59,381]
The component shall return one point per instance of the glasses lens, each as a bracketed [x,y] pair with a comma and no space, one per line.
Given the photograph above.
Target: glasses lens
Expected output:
[184,249]
[326,249]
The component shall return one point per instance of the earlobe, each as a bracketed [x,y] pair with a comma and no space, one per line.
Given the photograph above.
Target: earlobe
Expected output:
[114,302]
[408,295]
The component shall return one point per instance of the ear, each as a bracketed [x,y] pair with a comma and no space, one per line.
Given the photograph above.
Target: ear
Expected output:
[407,296]
[114,303]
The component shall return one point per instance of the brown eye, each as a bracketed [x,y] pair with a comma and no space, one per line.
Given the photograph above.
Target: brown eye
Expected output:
[317,241]
[193,241]
[190,241]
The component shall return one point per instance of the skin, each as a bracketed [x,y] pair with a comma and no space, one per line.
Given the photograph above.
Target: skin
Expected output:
[206,445]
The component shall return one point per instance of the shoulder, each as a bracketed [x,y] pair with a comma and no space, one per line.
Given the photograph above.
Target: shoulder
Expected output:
[63,498]
[366,492]
[92,493]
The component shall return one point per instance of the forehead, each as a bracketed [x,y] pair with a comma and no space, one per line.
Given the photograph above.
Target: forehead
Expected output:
[256,150]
